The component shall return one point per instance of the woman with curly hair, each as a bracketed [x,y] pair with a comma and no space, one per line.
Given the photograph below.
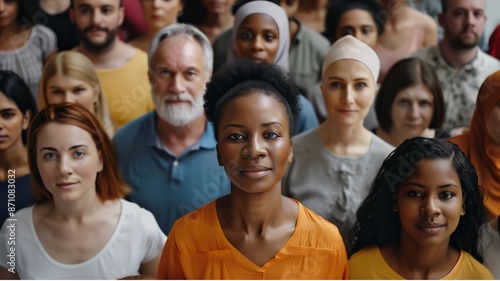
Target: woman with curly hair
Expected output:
[254,232]
[422,217]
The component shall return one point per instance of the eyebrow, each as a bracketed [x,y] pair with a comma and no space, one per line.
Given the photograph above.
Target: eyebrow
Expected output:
[423,186]
[262,125]
[50,148]
[7,109]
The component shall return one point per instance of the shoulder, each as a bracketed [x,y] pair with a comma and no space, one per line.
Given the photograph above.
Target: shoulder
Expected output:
[196,227]
[305,138]
[135,130]
[426,53]
[467,267]
[314,37]
[488,61]
[380,146]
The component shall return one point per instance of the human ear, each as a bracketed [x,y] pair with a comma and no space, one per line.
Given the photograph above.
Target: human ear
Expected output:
[464,196]
[100,165]
[26,120]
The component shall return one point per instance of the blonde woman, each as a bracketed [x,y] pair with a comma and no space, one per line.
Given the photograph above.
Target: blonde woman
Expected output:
[71,77]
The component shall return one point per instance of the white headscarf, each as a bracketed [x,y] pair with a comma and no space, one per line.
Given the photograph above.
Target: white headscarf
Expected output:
[348,47]
[278,15]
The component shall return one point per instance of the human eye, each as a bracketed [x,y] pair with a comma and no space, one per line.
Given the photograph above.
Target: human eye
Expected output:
[366,29]
[414,194]
[49,155]
[79,90]
[269,37]
[346,31]
[459,13]
[478,14]
[360,85]
[425,103]
[336,85]
[8,114]
[85,10]
[246,35]
[78,154]
[271,135]
[447,195]
[404,102]
[235,137]
[106,10]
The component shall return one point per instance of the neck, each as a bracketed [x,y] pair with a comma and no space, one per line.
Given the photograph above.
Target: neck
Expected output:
[14,158]
[219,20]
[343,140]
[177,139]
[456,57]
[425,262]
[254,213]
[79,210]
[7,31]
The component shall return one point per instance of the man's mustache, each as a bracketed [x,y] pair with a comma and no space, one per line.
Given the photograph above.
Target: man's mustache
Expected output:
[94,27]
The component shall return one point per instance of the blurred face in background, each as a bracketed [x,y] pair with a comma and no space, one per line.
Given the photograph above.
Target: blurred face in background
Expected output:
[12,123]
[61,88]
[257,38]
[412,111]
[463,22]
[218,6]
[360,24]
[8,12]
[161,13]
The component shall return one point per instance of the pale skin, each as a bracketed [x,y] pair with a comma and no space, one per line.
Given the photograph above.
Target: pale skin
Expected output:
[343,133]
[401,23]
[118,52]
[75,224]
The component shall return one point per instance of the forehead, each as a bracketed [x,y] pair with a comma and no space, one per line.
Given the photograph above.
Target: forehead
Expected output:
[96,3]
[259,21]
[348,69]
[257,103]
[465,4]
[5,102]
[179,50]
[63,135]
[415,91]
[356,16]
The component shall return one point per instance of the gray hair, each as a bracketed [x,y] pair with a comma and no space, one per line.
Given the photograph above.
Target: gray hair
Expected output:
[186,30]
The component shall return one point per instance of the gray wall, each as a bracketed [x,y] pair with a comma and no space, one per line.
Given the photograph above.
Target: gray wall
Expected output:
[493,14]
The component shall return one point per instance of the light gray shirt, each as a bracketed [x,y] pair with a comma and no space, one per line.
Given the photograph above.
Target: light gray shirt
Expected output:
[331,185]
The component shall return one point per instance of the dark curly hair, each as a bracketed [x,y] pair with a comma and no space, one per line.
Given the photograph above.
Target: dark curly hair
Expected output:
[339,7]
[377,223]
[242,77]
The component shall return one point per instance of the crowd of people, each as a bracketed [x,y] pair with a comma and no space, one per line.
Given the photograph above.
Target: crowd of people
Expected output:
[248,139]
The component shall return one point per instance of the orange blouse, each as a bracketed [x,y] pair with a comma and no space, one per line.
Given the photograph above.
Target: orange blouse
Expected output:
[196,248]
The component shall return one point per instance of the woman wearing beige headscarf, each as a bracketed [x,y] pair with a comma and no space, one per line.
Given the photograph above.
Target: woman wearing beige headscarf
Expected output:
[334,165]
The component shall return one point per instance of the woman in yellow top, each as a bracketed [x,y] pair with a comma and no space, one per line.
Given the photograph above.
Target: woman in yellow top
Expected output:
[254,232]
[71,77]
[481,144]
[421,220]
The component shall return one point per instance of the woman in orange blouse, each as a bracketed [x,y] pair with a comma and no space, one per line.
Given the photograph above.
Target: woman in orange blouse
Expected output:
[481,144]
[254,232]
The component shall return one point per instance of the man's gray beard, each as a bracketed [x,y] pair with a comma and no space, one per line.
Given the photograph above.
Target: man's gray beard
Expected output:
[178,115]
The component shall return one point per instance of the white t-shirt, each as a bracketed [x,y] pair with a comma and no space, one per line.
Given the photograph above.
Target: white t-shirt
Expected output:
[489,247]
[136,239]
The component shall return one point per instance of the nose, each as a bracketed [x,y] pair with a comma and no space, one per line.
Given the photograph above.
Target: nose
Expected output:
[177,85]
[254,148]
[156,3]
[430,207]
[470,18]
[258,43]
[2,6]
[414,111]
[64,167]
[96,17]
[69,98]
[349,95]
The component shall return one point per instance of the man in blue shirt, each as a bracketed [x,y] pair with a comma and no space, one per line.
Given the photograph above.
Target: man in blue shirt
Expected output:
[168,156]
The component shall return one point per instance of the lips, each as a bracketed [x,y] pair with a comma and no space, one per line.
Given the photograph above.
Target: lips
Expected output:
[255,171]
[65,185]
[346,111]
[256,59]
[431,228]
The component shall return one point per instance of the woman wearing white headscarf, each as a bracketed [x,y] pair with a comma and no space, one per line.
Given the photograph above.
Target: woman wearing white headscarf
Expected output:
[261,33]
[335,164]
